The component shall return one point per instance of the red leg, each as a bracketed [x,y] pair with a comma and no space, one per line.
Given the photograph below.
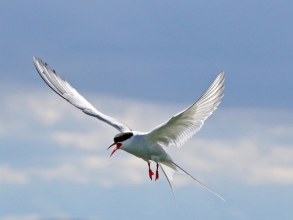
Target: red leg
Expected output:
[151,173]
[157,172]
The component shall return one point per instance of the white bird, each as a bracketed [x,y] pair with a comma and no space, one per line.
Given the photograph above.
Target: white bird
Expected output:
[149,146]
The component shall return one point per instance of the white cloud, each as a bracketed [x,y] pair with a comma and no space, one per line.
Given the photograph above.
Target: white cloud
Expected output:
[64,171]
[243,160]
[86,141]
[34,216]
[96,170]
[45,108]
[9,175]
[125,170]
[21,217]
[239,144]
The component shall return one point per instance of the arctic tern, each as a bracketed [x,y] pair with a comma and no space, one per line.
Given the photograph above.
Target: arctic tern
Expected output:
[149,146]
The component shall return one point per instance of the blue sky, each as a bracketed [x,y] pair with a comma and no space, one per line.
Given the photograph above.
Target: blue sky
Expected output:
[141,62]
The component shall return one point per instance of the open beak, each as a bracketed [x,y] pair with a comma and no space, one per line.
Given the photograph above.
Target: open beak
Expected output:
[118,145]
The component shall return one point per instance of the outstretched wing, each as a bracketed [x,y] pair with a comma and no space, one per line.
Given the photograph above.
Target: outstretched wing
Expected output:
[185,124]
[65,90]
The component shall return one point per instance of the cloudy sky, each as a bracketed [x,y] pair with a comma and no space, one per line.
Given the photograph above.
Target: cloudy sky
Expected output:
[142,62]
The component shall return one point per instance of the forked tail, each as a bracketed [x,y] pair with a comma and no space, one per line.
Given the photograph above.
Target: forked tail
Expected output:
[169,173]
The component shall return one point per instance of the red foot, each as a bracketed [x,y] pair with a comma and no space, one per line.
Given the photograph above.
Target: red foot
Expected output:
[157,172]
[151,173]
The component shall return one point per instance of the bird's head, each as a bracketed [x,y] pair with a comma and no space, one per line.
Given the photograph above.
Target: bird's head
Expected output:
[118,140]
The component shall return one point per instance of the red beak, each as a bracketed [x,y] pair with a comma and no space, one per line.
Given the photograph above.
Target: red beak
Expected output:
[118,145]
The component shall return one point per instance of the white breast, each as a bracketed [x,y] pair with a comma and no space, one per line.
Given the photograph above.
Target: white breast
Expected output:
[145,149]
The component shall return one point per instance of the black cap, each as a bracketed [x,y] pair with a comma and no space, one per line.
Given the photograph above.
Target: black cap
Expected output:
[122,136]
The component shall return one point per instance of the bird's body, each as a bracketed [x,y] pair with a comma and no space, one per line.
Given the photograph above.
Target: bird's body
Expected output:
[139,146]
[149,146]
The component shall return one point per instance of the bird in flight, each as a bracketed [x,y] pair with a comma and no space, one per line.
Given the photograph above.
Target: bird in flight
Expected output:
[149,146]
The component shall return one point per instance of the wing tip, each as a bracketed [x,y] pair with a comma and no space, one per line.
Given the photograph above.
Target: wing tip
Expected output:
[38,62]
[36,59]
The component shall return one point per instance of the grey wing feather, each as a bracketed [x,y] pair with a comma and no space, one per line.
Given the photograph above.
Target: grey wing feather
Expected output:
[66,91]
[185,124]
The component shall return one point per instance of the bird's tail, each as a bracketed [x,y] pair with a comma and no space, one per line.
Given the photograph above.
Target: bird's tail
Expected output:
[168,171]
[169,174]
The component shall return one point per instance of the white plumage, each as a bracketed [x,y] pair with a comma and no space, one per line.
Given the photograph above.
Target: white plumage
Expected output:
[149,146]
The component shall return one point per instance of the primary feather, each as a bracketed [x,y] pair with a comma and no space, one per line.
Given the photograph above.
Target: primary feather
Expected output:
[182,126]
[66,91]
